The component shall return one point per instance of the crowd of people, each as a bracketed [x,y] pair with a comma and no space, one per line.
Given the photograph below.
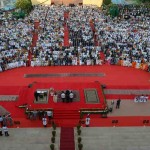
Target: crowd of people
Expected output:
[5,121]
[67,96]
[141,99]
[15,41]
[124,40]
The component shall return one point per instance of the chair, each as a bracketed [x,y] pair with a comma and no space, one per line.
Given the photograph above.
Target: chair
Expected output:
[145,122]
[115,122]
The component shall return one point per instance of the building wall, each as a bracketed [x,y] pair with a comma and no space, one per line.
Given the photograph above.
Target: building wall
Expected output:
[93,2]
[35,2]
[67,2]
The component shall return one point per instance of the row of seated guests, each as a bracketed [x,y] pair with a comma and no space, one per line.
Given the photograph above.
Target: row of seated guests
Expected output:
[66,56]
[142,98]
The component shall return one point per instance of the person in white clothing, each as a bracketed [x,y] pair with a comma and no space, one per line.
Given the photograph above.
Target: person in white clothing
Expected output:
[44,120]
[71,96]
[5,130]
[49,114]
[87,121]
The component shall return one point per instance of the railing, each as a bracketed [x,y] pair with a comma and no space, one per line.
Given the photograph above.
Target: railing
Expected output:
[103,112]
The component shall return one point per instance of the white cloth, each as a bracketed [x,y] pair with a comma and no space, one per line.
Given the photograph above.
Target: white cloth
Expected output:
[87,121]
[44,121]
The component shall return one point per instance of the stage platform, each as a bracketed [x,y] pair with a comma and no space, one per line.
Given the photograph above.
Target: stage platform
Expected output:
[119,81]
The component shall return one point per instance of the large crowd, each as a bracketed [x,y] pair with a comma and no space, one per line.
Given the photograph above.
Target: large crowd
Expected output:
[15,41]
[124,40]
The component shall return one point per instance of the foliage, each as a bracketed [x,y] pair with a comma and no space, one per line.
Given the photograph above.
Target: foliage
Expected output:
[79,132]
[25,5]
[80,146]
[54,126]
[79,139]
[78,126]
[54,133]
[144,1]
[106,2]
[114,10]
[19,14]
[52,146]
[53,139]
[81,115]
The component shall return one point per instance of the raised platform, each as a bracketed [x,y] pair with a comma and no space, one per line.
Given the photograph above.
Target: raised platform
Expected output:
[116,78]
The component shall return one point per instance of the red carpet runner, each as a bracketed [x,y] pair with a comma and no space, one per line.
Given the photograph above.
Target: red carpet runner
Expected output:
[66,31]
[93,29]
[67,139]
[34,40]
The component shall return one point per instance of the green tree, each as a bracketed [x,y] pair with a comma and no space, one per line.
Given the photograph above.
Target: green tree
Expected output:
[144,1]
[114,10]
[24,5]
[106,2]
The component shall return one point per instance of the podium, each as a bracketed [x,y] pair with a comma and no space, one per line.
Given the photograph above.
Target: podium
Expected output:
[41,96]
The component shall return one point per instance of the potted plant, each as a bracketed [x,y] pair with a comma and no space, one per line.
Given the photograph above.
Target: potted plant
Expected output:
[53,139]
[78,126]
[54,126]
[54,133]
[80,146]
[52,146]
[79,132]
[79,139]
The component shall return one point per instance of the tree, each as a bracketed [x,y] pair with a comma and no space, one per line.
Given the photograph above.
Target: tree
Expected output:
[25,5]
[106,2]
[144,1]
[114,10]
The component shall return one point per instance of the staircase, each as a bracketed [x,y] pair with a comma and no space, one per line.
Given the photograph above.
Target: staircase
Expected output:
[66,118]
[67,139]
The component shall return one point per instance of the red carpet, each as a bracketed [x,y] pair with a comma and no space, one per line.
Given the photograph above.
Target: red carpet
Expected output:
[93,29]
[121,96]
[66,30]
[67,139]
[34,40]
[116,77]
[27,95]
[102,56]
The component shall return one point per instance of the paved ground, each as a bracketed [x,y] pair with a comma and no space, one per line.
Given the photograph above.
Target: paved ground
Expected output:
[116,138]
[128,92]
[113,138]
[29,139]
[127,107]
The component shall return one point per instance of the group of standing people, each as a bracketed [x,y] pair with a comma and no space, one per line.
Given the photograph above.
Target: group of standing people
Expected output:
[67,96]
[4,122]
[118,102]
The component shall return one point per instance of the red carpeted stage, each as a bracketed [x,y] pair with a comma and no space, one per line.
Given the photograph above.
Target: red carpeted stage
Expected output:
[13,82]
